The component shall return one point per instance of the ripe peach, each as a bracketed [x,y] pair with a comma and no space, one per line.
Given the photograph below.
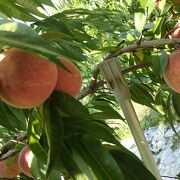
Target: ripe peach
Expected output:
[159,4]
[172,71]
[176,32]
[9,169]
[69,82]
[25,159]
[26,80]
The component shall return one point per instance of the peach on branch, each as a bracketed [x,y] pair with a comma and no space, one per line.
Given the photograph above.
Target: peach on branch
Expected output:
[26,80]
[68,81]
[25,159]
[172,71]
[9,167]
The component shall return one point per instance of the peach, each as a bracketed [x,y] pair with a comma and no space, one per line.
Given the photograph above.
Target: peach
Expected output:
[26,80]
[172,71]
[25,159]
[159,4]
[69,82]
[176,32]
[9,169]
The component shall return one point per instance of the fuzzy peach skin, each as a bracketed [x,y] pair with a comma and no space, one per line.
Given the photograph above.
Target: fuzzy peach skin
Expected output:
[25,159]
[69,82]
[172,71]
[9,169]
[176,32]
[26,80]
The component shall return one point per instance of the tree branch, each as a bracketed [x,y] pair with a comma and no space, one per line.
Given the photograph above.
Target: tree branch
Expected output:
[9,145]
[94,85]
[91,89]
[146,44]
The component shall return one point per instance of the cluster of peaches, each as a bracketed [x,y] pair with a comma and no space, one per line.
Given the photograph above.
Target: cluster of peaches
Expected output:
[19,163]
[27,80]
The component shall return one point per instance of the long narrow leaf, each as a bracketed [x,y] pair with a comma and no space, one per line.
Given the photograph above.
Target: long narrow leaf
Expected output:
[102,163]
[54,131]
[94,128]
[131,166]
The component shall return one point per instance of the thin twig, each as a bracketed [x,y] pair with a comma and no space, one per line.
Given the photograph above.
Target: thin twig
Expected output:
[171,177]
[10,144]
[91,89]
[10,153]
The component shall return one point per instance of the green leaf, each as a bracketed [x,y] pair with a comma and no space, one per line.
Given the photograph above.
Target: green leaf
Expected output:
[15,39]
[159,62]
[19,28]
[158,27]
[70,105]
[35,131]
[54,25]
[93,128]
[160,103]
[12,10]
[36,45]
[131,166]
[72,49]
[46,2]
[12,118]
[106,115]
[100,160]
[67,158]
[80,162]
[170,114]
[140,94]
[143,3]
[55,35]
[106,111]
[19,115]
[55,132]
[38,170]
[147,5]
[176,102]
[140,20]
[32,7]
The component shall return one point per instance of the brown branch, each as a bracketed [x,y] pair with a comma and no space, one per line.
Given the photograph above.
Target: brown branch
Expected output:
[136,67]
[89,90]
[9,145]
[10,153]
[147,44]
[131,48]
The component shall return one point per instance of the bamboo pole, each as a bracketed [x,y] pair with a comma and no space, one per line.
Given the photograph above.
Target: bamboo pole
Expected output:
[111,70]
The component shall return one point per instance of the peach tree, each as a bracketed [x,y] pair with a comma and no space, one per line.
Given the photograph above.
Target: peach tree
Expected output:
[69,136]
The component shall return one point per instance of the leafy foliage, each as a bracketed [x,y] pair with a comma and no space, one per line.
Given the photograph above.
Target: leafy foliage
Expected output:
[71,138]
